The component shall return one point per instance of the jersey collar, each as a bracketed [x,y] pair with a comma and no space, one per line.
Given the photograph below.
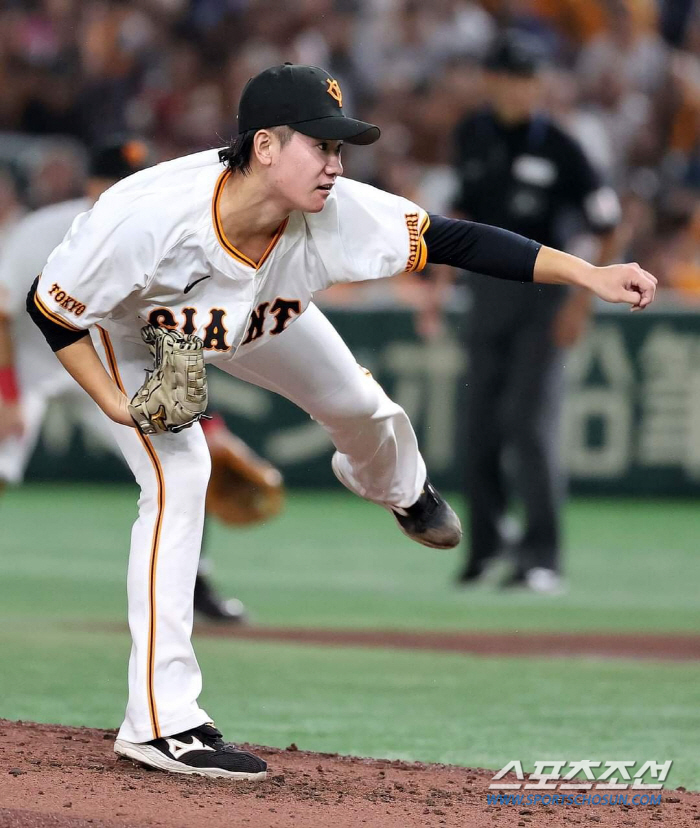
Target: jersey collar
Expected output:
[221,237]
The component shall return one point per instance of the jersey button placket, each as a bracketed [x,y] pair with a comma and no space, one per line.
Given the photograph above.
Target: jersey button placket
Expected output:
[257,282]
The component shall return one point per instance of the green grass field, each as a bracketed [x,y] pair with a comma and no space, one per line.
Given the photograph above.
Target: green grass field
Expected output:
[333,560]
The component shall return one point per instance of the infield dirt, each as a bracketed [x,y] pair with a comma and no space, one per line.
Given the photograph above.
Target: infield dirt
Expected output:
[64,777]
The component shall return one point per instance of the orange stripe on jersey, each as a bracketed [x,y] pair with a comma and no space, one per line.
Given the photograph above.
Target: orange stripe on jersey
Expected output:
[271,245]
[155,542]
[221,236]
[54,317]
[216,218]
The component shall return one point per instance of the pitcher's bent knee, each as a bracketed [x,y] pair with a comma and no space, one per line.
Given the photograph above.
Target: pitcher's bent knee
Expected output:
[366,401]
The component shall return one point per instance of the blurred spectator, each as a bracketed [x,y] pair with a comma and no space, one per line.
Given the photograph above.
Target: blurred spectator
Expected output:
[52,106]
[675,253]
[681,158]
[629,51]
[405,43]
[676,18]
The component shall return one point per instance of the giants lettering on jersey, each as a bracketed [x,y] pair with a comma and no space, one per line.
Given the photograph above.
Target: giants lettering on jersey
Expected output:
[281,309]
[215,330]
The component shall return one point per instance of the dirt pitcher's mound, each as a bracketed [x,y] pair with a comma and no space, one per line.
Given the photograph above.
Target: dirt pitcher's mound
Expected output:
[63,777]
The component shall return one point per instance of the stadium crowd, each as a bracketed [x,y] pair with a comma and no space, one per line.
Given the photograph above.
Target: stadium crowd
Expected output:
[623,77]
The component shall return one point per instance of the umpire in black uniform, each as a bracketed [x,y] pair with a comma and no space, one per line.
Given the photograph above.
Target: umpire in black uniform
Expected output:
[520,171]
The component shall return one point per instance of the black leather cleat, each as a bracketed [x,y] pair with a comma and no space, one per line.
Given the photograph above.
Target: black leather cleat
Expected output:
[430,520]
[213,607]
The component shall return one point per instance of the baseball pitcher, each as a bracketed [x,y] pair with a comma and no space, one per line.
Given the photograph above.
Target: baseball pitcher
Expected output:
[214,258]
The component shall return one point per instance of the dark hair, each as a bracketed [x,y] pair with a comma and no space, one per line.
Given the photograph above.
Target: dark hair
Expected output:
[237,155]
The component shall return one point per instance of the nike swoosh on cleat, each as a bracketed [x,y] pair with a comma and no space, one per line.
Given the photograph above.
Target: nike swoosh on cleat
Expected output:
[196,282]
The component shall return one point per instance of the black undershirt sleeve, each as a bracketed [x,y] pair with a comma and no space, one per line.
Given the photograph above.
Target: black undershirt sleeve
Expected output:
[481,248]
[55,335]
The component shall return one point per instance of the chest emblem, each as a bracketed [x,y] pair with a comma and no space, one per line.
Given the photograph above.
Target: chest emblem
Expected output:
[215,334]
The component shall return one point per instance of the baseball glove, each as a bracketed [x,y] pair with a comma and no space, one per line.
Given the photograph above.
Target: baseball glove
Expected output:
[243,487]
[174,395]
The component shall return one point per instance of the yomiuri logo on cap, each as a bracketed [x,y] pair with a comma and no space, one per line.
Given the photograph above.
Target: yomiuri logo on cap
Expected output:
[334,90]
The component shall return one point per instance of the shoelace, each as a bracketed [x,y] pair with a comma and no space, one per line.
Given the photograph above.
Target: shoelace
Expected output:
[211,737]
[214,738]
[426,504]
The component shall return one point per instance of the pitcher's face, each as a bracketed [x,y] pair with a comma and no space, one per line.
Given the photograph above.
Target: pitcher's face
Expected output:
[304,170]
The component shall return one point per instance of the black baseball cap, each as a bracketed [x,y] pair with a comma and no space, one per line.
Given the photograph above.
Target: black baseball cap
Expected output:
[515,53]
[119,157]
[306,98]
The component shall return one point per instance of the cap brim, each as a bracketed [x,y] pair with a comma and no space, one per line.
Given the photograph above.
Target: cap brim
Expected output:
[339,128]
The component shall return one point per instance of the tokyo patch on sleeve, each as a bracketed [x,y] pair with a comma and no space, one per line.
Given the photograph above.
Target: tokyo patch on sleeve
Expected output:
[105,256]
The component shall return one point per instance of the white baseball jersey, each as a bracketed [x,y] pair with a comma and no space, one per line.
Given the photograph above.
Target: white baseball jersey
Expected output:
[40,376]
[22,258]
[8,224]
[153,250]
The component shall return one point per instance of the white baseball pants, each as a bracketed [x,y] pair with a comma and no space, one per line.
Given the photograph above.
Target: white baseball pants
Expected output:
[377,457]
